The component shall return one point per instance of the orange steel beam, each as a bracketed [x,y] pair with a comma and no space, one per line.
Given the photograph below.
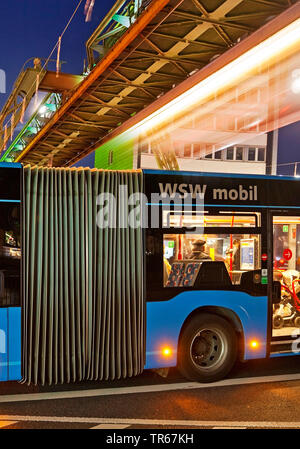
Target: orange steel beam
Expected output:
[65,81]
[150,13]
[258,36]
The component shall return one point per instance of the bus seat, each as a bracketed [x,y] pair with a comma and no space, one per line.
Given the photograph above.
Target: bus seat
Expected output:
[213,274]
[175,276]
[188,278]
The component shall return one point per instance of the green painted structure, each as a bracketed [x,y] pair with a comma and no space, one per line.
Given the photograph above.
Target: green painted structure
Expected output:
[117,154]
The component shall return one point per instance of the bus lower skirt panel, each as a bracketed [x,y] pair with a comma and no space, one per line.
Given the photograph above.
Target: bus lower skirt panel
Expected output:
[83,311]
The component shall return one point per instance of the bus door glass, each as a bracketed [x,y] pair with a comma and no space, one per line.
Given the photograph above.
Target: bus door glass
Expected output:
[286,270]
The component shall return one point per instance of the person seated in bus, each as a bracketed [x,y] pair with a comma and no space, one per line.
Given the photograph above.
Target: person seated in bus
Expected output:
[198,250]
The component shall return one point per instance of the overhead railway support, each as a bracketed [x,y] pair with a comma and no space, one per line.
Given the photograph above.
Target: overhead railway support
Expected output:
[30,81]
[142,55]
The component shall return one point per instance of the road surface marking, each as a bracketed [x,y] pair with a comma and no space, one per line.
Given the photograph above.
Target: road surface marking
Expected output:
[153,422]
[231,428]
[111,426]
[6,423]
[145,389]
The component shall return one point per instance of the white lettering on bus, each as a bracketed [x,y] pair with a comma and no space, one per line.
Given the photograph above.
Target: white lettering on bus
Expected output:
[185,190]
[242,194]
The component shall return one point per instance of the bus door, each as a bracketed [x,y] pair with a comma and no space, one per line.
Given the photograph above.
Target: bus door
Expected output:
[286,270]
[10,273]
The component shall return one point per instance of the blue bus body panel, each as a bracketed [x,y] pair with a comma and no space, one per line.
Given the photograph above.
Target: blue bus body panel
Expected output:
[10,343]
[10,165]
[165,320]
[14,343]
[3,344]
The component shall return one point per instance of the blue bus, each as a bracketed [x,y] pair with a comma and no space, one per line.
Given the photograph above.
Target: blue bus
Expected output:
[211,276]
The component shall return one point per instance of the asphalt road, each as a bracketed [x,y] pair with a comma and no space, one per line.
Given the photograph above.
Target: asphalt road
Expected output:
[256,395]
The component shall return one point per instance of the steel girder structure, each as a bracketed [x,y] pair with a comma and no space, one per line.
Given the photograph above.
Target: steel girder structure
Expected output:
[168,42]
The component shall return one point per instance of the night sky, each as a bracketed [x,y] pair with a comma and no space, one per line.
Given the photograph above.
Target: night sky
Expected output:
[289,149]
[30,28]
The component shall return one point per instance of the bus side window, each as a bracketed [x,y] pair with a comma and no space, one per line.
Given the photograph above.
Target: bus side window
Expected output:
[184,253]
[10,256]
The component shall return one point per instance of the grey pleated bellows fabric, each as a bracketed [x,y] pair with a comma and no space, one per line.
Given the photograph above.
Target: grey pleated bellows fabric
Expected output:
[83,304]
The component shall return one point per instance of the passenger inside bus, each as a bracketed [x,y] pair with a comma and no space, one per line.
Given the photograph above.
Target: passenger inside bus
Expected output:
[240,253]
[198,250]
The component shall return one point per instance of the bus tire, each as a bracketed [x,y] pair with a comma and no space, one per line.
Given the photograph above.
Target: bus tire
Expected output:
[208,348]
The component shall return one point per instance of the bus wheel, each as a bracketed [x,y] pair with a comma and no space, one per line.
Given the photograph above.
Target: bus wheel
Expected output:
[207,348]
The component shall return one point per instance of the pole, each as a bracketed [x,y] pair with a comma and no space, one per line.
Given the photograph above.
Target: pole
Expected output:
[295,168]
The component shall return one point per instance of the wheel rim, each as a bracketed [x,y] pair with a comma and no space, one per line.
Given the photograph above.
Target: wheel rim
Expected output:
[208,349]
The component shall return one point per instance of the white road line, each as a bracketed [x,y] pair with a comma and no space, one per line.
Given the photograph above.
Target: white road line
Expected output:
[154,422]
[231,428]
[145,389]
[111,426]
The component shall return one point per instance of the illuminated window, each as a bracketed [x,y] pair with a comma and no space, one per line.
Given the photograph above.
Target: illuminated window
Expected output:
[184,255]
[286,270]
[187,152]
[286,243]
[10,255]
[197,150]
[173,219]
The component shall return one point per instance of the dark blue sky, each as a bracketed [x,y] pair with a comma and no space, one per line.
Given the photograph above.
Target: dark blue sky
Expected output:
[289,149]
[30,28]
